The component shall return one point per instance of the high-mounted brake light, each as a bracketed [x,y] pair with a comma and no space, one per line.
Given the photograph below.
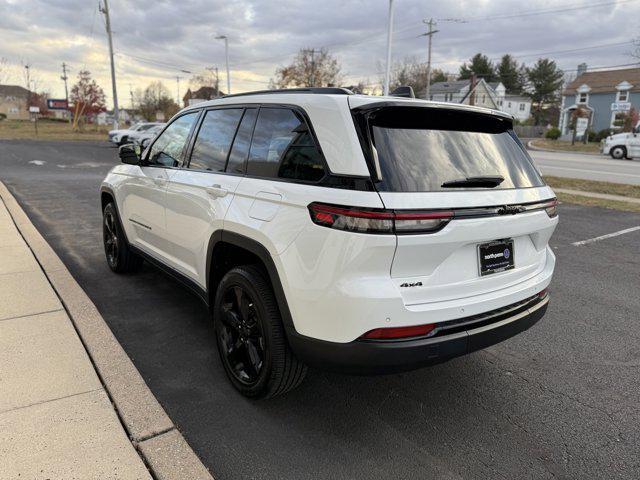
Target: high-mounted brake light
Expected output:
[399,332]
[365,220]
[551,207]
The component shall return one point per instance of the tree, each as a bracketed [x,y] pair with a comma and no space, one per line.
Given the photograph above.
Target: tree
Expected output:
[414,74]
[510,75]
[545,82]
[207,79]
[155,99]
[481,66]
[309,69]
[87,97]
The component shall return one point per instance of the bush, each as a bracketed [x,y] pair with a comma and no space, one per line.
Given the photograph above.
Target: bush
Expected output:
[553,133]
[591,136]
[3,116]
[602,134]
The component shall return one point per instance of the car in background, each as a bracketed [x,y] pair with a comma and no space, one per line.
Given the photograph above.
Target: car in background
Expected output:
[121,136]
[145,137]
[623,145]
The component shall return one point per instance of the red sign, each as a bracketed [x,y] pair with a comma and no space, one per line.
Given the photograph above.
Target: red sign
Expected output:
[57,104]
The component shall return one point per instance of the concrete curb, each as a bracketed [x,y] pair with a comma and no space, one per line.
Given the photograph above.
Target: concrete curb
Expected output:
[531,146]
[150,429]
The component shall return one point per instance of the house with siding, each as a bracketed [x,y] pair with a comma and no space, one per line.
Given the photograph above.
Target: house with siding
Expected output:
[489,95]
[13,102]
[608,95]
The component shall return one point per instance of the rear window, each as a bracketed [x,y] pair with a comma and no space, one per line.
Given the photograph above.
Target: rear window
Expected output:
[420,149]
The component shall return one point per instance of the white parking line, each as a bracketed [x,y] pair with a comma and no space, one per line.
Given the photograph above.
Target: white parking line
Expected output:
[603,237]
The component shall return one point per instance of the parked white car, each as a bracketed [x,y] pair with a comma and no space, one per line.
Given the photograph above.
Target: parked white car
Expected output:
[121,136]
[350,232]
[623,145]
[144,137]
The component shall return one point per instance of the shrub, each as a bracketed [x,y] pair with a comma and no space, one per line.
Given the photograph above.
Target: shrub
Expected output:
[602,134]
[3,116]
[553,133]
[591,136]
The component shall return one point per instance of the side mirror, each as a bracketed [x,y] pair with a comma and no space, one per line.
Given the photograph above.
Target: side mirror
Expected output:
[129,154]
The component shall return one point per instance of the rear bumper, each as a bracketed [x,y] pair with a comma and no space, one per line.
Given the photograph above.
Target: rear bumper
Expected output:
[373,357]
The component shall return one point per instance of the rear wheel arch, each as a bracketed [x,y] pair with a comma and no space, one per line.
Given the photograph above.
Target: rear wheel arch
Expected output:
[227,250]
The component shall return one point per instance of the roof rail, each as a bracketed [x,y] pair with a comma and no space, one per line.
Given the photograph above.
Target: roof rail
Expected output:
[315,90]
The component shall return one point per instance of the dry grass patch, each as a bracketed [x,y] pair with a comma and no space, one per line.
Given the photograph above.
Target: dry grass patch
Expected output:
[49,130]
[564,146]
[624,190]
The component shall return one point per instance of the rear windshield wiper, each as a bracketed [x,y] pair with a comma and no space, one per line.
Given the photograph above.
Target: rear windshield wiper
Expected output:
[488,181]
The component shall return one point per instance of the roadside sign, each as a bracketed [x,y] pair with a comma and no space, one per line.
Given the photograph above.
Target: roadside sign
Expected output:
[34,109]
[620,106]
[57,104]
[581,125]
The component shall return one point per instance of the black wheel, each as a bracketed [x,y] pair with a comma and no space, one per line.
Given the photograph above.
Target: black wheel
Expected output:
[120,258]
[619,152]
[250,336]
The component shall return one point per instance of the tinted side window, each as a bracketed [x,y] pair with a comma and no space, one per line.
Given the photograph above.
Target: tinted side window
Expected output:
[242,142]
[282,147]
[167,149]
[214,139]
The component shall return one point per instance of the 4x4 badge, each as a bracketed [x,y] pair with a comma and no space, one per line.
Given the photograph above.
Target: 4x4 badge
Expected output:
[416,284]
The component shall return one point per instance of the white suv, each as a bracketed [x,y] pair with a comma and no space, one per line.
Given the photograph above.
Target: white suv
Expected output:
[350,232]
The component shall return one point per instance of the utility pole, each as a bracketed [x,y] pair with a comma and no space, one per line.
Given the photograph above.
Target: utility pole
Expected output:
[431,23]
[178,77]
[214,70]
[226,55]
[312,75]
[387,75]
[64,78]
[26,70]
[105,10]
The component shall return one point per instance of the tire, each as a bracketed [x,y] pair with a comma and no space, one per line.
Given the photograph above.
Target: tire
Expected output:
[123,141]
[250,336]
[618,152]
[119,256]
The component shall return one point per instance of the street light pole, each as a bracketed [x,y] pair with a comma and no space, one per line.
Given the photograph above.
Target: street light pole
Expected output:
[387,75]
[226,55]
[116,113]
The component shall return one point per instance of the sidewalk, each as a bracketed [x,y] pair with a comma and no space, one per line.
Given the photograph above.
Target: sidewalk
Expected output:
[72,404]
[55,417]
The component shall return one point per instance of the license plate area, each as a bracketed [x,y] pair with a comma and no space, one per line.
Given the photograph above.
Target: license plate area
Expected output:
[496,256]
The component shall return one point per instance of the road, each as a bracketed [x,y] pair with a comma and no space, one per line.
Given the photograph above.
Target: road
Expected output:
[587,167]
[561,400]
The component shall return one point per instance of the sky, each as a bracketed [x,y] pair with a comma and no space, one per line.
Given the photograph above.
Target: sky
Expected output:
[163,39]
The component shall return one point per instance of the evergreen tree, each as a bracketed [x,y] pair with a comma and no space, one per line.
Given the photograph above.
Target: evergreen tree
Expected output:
[512,77]
[545,82]
[481,66]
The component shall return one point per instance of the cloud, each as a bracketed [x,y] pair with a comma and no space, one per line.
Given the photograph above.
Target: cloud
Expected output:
[157,40]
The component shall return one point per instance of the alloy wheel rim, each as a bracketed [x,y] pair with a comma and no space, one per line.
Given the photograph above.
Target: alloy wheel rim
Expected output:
[241,338]
[110,239]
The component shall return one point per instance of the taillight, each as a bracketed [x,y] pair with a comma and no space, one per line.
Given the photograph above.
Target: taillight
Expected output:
[365,220]
[399,332]
[551,207]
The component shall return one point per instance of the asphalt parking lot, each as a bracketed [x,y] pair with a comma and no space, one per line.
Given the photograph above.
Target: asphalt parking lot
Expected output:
[561,400]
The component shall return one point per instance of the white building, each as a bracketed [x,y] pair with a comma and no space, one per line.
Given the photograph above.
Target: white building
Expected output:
[489,95]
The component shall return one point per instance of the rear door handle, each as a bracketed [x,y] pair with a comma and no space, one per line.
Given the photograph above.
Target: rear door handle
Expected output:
[216,190]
